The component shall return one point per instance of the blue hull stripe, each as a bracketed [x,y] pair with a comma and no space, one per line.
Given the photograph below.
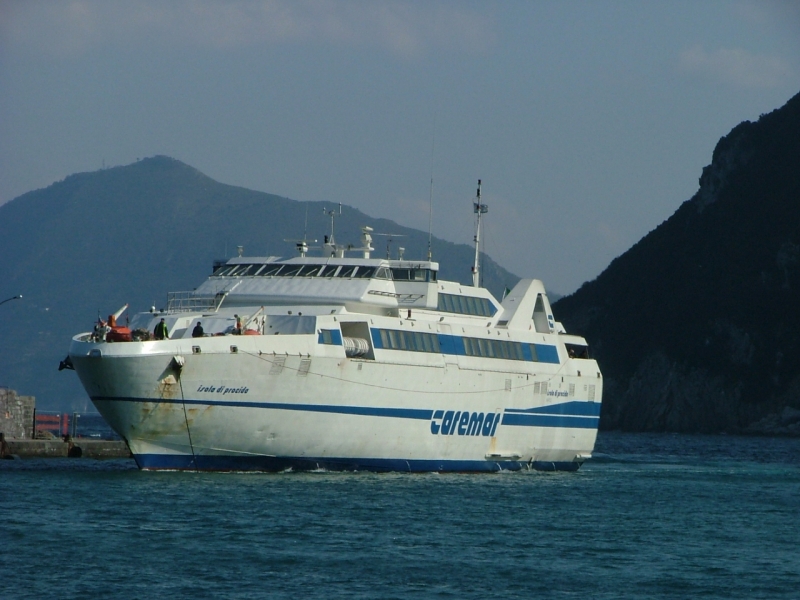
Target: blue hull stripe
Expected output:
[276,464]
[370,411]
[550,421]
[574,408]
[569,414]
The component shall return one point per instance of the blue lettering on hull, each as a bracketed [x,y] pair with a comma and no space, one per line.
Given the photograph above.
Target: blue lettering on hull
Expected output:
[464,423]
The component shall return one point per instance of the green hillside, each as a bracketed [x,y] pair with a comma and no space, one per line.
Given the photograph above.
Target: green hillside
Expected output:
[96,241]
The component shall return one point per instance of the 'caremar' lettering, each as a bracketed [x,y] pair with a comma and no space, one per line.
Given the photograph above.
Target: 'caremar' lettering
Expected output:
[464,423]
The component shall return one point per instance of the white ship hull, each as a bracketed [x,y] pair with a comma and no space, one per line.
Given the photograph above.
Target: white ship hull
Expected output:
[307,406]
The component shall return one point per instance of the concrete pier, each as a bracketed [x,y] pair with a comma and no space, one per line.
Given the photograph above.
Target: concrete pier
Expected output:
[58,448]
[26,434]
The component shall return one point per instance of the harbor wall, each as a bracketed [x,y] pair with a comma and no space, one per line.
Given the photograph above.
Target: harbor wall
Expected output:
[24,434]
[70,448]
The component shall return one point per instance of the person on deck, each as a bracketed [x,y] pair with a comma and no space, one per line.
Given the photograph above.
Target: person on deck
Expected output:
[198,330]
[161,332]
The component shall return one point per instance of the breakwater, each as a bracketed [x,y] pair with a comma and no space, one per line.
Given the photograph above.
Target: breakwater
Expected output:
[63,448]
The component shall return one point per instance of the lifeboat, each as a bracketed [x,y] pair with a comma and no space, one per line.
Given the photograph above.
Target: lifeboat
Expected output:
[118,333]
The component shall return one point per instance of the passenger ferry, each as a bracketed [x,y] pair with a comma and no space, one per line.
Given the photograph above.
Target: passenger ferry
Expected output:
[345,362]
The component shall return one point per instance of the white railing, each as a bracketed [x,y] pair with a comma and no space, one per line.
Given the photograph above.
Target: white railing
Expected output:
[190,302]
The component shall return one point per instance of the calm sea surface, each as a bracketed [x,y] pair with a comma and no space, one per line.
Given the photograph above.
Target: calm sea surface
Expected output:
[653,516]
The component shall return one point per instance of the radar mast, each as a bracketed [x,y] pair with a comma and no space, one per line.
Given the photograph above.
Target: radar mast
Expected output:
[480,209]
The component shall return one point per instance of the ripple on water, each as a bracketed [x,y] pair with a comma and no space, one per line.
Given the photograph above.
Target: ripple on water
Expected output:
[653,516]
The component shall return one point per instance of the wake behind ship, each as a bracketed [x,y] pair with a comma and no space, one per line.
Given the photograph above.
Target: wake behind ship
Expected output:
[345,362]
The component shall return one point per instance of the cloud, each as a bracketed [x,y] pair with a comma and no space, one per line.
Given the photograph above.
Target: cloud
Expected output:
[404,29]
[736,67]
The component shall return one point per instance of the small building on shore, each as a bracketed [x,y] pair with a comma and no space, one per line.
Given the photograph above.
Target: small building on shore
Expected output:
[17,414]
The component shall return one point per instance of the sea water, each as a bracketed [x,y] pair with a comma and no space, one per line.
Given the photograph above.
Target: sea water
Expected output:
[652,516]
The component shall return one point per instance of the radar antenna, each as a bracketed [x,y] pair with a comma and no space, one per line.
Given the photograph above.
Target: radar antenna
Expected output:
[389,237]
[479,209]
[366,241]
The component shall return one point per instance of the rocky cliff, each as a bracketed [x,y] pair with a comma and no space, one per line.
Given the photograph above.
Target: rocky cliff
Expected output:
[697,327]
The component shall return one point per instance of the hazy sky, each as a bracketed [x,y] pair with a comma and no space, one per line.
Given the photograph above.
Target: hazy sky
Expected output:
[588,122]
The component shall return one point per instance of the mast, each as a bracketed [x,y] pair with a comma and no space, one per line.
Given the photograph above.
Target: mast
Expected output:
[480,209]
[330,247]
[430,197]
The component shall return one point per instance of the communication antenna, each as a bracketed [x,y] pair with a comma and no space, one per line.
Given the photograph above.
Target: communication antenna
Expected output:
[389,237]
[302,245]
[479,209]
[330,242]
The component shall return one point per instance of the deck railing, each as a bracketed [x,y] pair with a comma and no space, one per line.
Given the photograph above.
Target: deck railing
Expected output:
[189,301]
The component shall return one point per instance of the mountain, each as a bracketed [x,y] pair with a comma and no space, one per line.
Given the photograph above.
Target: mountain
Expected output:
[95,241]
[697,327]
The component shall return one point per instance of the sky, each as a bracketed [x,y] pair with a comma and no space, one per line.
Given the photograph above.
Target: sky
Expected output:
[589,123]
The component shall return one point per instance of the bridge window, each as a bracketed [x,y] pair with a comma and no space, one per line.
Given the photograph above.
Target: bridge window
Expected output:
[301,270]
[271,271]
[237,270]
[308,271]
[412,274]
[328,270]
[401,274]
[223,271]
[291,270]
[250,270]
[466,305]
[346,271]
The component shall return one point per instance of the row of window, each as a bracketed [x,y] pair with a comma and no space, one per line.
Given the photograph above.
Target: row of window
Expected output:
[494,349]
[417,341]
[489,348]
[466,305]
[414,341]
[281,270]
[358,272]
